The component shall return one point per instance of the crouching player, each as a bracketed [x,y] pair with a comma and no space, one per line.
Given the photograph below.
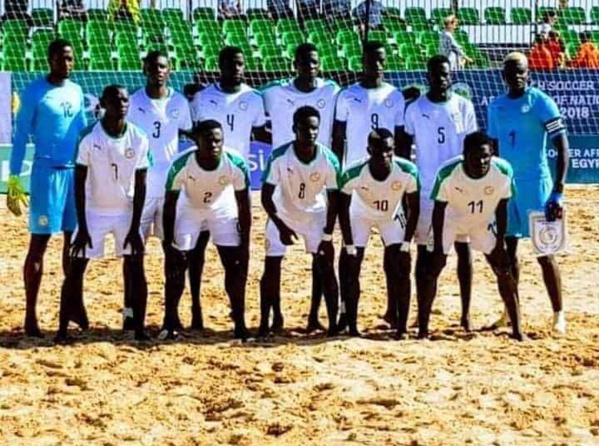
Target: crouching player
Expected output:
[110,189]
[299,194]
[378,185]
[213,184]
[471,194]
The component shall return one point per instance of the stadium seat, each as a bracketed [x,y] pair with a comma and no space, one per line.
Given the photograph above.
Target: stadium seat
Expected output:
[521,16]
[595,36]
[124,25]
[253,64]
[572,49]
[265,39]
[416,63]
[425,37]
[125,38]
[347,36]
[392,11]
[203,13]
[39,63]
[210,51]
[573,16]
[439,15]
[355,64]
[18,29]
[42,38]
[269,51]
[569,35]
[431,49]
[327,49]
[14,63]
[182,39]
[100,60]
[262,26]
[332,63]
[292,38]
[377,36]
[317,37]
[207,39]
[287,25]
[469,16]
[71,30]
[152,18]
[188,64]
[394,64]
[97,32]
[406,51]
[257,13]
[173,15]
[393,24]
[276,64]
[97,14]
[234,26]
[14,46]
[495,15]
[352,50]
[317,25]
[211,63]
[595,15]
[481,61]
[415,15]
[42,17]
[404,37]
[461,36]
[342,24]
[208,26]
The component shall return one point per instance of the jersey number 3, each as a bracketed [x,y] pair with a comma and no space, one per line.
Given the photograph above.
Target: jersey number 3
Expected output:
[157,126]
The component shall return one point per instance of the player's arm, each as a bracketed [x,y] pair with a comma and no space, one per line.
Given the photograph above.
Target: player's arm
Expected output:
[338,143]
[24,127]
[169,213]
[501,222]
[81,120]
[562,145]
[403,143]
[268,204]
[262,134]
[439,258]
[344,218]
[412,208]
[241,185]
[134,238]
[82,239]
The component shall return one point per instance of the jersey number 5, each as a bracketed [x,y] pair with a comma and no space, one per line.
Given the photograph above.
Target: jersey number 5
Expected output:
[441,133]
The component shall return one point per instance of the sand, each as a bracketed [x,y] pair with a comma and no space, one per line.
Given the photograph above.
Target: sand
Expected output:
[478,388]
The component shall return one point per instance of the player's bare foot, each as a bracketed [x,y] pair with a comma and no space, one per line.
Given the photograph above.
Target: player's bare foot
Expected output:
[242,333]
[32,329]
[502,322]
[423,334]
[168,334]
[559,324]
[521,337]
[391,320]
[277,323]
[466,324]
[314,326]
[342,324]
[263,331]
[128,324]
[354,332]
[79,317]
[141,335]
[62,338]
[401,335]
[332,331]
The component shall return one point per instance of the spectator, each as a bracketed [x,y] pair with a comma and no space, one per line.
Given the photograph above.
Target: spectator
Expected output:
[307,10]
[449,47]
[336,9]
[540,56]
[549,19]
[556,47]
[279,9]
[124,10]
[228,9]
[16,9]
[375,19]
[588,53]
[73,9]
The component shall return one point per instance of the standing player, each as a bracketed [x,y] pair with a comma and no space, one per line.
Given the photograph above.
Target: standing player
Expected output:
[437,123]
[380,182]
[110,188]
[521,120]
[161,113]
[241,111]
[207,177]
[299,194]
[361,107]
[52,112]
[471,194]
[282,98]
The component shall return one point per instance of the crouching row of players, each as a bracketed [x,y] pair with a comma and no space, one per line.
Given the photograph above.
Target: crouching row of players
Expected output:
[303,194]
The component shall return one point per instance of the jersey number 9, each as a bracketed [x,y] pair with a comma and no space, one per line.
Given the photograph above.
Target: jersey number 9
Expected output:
[374,121]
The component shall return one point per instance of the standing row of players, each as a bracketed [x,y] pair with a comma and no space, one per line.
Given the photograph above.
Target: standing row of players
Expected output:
[436,123]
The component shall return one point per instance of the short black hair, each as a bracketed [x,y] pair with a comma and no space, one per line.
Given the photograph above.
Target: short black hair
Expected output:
[202,128]
[437,60]
[112,89]
[57,45]
[549,15]
[379,134]
[373,45]
[477,139]
[154,55]
[585,36]
[304,48]
[228,52]
[305,112]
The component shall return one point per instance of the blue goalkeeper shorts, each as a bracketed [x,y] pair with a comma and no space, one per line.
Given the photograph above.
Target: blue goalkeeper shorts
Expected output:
[531,195]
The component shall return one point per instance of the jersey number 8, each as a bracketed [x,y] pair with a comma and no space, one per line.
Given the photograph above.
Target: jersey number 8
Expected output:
[302,191]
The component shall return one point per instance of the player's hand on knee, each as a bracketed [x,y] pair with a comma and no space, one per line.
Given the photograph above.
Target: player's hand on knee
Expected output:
[287,235]
[136,243]
[554,208]
[82,240]
[15,195]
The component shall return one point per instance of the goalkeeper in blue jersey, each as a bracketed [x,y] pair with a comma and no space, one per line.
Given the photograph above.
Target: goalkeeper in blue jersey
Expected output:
[52,112]
[521,121]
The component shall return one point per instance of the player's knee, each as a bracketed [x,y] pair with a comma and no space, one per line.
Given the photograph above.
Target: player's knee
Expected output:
[545,261]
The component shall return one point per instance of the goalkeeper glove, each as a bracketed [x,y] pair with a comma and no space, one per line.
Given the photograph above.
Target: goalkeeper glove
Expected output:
[15,196]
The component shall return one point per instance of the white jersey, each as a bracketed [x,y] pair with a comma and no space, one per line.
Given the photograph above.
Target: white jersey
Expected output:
[237,112]
[282,99]
[439,130]
[111,165]
[161,120]
[209,191]
[365,109]
[380,200]
[300,192]
[471,203]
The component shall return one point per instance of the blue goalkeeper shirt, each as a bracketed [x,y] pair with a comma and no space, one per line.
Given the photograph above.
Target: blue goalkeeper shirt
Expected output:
[521,127]
[54,115]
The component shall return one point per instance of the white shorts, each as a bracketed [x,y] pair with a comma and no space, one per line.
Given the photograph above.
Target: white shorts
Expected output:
[99,226]
[311,233]
[392,231]
[189,223]
[424,228]
[481,239]
[151,217]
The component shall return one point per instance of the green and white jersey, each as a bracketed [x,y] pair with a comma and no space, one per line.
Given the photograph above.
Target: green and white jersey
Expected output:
[209,190]
[380,200]
[301,188]
[237,112]
[282,99]
[161,120]
[364,109]
[471,203]
[111,165]
[439,130]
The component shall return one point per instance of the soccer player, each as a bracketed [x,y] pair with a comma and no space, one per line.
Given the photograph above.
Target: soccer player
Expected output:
[212,185]
[520,121]
[110,187]
[299,195]
[52,112]
[366,105]
[161,113]
[471,195]
[282,98]
[380,182]
[240,110]
[437,123]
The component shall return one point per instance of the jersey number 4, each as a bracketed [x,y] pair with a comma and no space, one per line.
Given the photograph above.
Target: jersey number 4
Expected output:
[231,122]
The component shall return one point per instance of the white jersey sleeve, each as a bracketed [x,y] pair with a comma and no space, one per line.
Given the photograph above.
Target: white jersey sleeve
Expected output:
[177,173]
[240,173]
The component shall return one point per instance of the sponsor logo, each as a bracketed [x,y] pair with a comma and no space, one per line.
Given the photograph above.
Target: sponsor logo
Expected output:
[424,115]
[141,110]
[358,100]
[489,190]
[214,103]
[459,189]
[314,176]
[129,153]
[42,220]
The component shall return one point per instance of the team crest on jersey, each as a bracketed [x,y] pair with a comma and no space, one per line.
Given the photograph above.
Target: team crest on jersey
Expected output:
[489,190]
[129,153]
[191,178]
[396,185]
[42,220]
[388,103]
[321,103]
[243,105]
[314,176]
[525,108]
[222,180]
[175,113]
